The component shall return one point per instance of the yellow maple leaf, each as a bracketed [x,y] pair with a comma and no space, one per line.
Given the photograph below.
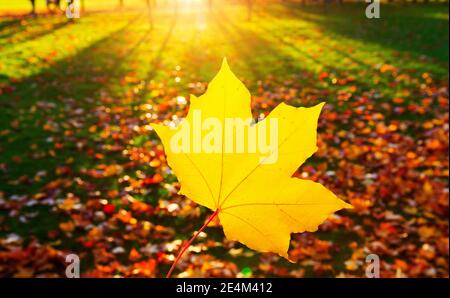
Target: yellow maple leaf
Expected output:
[252,191]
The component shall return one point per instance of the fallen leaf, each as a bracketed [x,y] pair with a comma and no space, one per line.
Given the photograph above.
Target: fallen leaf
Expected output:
[258,202]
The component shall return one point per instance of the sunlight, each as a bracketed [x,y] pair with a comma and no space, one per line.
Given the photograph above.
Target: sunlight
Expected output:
[192,5]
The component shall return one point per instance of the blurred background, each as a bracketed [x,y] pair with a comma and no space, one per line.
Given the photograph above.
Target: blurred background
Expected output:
[82,172]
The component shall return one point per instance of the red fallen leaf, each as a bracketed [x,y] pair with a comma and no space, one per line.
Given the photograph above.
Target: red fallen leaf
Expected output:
[140,207]
[7,89]
[157,178]
[146,268]
[398,100]
[401,265]
[160,256]
[88,243]
[331,116]
[63,170]
[67,226]
[16,158]
[113,193]
[163,107]
[14,255]
[323,75]
[387,68]
[109,208]
[387,227]
[134,255]
[433,144]
[124,216]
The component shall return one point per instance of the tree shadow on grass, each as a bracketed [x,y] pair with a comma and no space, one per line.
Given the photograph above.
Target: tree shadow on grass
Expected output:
[289,33]
[7,23]
[15,26]
[408,29]
[73,82]
[254,47]
[154,65]
[256,52]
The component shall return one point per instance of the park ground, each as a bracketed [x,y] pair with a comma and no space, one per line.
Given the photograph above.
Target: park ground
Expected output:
[81,170]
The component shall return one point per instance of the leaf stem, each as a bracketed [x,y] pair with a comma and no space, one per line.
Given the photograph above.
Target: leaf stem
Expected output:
[186,246]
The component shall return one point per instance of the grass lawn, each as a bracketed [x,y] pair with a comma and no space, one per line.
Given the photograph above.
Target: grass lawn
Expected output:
[80,169]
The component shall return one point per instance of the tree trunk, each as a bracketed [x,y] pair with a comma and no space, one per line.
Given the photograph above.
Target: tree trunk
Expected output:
[33,6]
[249,9]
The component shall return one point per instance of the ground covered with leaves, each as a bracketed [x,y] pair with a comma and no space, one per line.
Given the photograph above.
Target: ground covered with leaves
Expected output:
[82,171]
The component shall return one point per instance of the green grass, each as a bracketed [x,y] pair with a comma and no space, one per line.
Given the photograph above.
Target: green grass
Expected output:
[80,64]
